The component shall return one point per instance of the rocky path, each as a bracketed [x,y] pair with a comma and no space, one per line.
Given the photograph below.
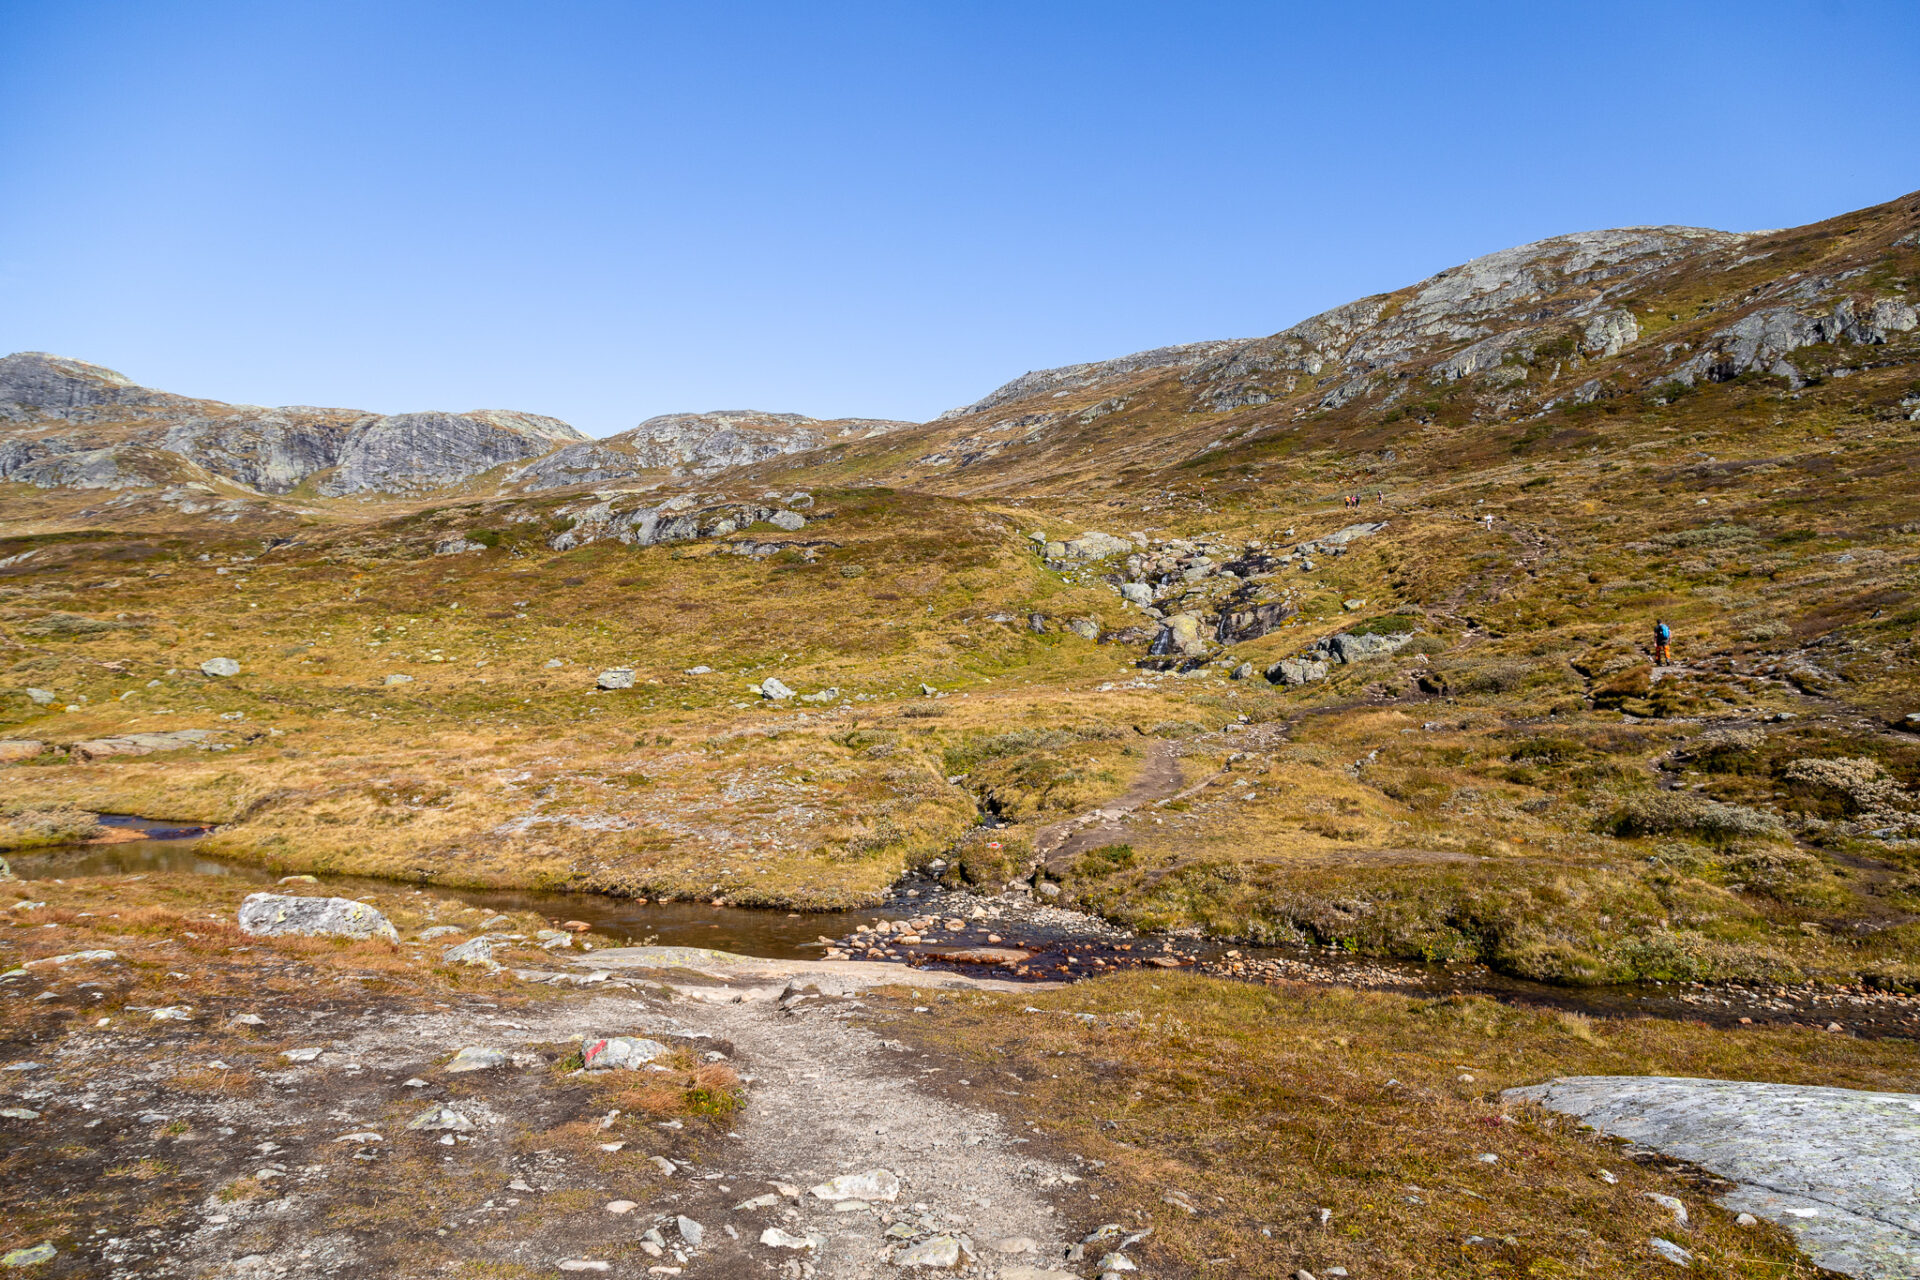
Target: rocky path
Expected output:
[1160,779]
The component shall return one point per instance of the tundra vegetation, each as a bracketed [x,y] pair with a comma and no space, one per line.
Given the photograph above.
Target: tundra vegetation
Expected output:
[781,669]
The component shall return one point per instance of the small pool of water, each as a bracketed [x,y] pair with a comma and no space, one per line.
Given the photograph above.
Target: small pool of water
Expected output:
[776,935]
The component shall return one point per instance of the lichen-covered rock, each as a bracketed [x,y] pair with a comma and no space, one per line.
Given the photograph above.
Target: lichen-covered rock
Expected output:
[277,913]
[1296,671]
[616,678]
[619,1052]
[1834,1166]
[477,952]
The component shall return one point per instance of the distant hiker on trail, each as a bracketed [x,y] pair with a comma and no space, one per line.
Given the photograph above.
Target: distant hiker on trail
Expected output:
[1662,637]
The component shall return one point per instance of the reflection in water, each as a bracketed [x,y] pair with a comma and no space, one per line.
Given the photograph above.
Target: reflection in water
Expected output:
[772,934]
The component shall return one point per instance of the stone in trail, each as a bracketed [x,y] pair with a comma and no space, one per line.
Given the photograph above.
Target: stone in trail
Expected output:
[474,1058]
[441,1118]
[1840,1168]
[272,914]
[875,1184]
[628,1052]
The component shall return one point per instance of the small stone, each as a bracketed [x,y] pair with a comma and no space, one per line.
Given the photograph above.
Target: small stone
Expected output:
[302,1055]
[615,678]
[941,1251]
[1018,1272]
[368,1136]
[1671,1204]
[1672,1252]
[663,1164]
[775,1238]
[397,678]
[1117,1262]
[19,1113]
[415,1083]
[1014,1244]
[1487,1157]
[1746,1220]
[173,1013]
[476,951]
[625,1052]
[621,1206]
[220,667]
[584,1264]
[476,1059]
[436,1118]
[1609,1177]
[773,689]
[875,1184]
[690,1231]
[31,1256]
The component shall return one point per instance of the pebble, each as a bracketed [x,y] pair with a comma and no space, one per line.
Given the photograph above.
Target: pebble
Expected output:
[1746,1220]
[584,1264]
[621,1206]
[173,1013]
[302,1055]
[690,1231]
[19,1113]
[415,1083]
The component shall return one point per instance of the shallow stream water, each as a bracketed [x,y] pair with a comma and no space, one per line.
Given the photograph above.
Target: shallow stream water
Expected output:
[1062,945]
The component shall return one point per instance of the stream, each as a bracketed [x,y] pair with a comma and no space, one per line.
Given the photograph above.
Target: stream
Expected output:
[1057,944]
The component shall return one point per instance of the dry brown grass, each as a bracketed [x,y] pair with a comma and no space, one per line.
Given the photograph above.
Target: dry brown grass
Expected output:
[1261,1107]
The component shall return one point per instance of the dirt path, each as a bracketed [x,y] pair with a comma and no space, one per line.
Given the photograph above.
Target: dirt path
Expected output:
[1160,778]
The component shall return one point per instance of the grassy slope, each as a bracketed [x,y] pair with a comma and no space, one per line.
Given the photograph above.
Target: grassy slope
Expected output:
[1772,526]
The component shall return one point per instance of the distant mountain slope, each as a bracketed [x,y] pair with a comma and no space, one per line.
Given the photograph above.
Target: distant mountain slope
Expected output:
[697,444]
[1583,319]
[66,423]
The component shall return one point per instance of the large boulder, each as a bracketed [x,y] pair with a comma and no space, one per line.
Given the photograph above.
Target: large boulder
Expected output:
[278,913]
[1094,546]
[142,744]
[1295,671]
[1182,634]
[1251,623]
[1358,648]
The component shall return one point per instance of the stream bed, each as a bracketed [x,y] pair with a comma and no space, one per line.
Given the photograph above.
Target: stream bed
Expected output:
[1011,936]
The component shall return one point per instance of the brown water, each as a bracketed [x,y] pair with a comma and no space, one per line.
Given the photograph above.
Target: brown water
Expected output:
[772,934]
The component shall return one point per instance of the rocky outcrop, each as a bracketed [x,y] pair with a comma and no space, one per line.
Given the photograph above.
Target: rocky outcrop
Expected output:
[68,424]
[696,444]
[1834,1166]
[277,913]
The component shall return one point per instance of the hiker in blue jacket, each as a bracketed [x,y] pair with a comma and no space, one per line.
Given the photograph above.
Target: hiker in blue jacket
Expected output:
[1662,637]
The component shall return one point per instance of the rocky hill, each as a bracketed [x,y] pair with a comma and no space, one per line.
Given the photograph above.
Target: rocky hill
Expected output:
[693,444]
[66,423]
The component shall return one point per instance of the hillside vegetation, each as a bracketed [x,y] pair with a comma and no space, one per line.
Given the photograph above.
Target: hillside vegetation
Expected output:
[1009,613]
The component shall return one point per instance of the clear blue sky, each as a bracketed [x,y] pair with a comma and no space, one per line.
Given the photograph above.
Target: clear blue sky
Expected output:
[604,211]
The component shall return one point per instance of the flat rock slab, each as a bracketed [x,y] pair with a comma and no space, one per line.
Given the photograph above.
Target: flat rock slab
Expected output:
[1840,1168]
[838,975]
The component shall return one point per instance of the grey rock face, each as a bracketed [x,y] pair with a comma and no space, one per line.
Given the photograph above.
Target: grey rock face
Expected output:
[1296,671]
[1352,648]
[414,451]
[694,444]
[66,423]
[277,913]
[1840,1168]
[1251,623]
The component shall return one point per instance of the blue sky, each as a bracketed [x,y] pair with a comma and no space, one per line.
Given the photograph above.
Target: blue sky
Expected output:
[606,211]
